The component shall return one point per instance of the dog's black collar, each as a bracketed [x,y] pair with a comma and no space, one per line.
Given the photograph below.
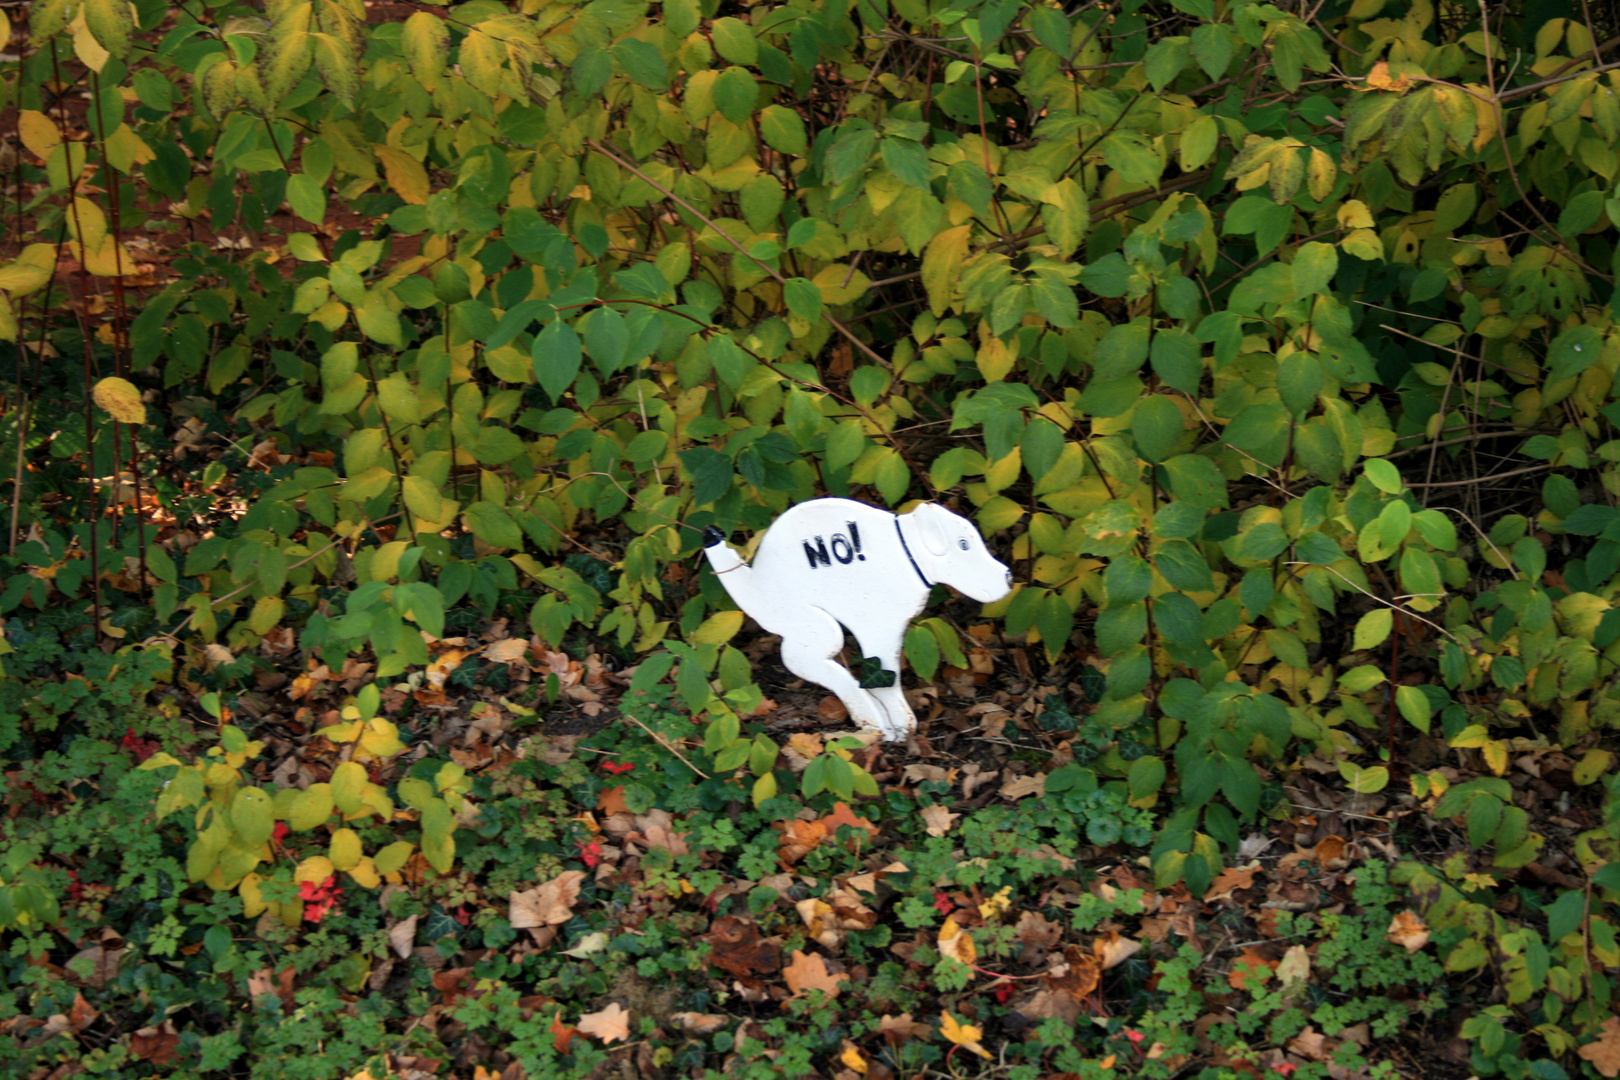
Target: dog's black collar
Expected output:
[912,559]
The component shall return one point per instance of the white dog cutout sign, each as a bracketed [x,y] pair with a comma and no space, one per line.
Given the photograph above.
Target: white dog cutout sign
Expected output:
[831,564]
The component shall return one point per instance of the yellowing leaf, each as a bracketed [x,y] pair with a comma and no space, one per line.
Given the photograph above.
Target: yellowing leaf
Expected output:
[120,399]
[718,628]
[405,174]
[942,266]
[345,849]
[964,1035]
[315,869]
[39,132]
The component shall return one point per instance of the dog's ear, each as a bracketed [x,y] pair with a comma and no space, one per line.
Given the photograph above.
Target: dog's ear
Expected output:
[933,528]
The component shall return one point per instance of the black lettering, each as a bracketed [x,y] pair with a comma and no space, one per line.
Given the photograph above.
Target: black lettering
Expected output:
[847,554]
[816,554]
[855,538]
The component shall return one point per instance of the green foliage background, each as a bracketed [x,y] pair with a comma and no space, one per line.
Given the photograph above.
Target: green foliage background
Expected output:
[1225,322]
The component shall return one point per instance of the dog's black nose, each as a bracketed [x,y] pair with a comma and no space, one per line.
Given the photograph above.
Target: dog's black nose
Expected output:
[713,536]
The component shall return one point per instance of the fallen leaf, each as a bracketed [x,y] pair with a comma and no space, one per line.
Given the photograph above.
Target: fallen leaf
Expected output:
[510,651]
[738,948]
[549,905]
[852,1057]
[1113,949]
[809,972]
[402,935]
[1407,930]
[561,1033]
[955,943]
[998,905]
[694,1023]
[843,815]
[1229,881]
[897,1029]
[1250,970]
[1604,1054]
[964,1035]
[938,820]
[1078,976]
[156,1044]
[1295,968]
[1016,787]
[612,1024]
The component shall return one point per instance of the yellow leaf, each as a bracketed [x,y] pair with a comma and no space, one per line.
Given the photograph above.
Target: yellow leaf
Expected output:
[39,132]
[1355,215]
[85,45]
[955,943]
[995,360]
[315,869]
[20,278]
[253,903]
[841,285]
[942,266]
[997,905]
[345,849]
[125,149]
[852,1058]
[365,873]
[964,1035]
[718,628]
[121,400]
[405,174]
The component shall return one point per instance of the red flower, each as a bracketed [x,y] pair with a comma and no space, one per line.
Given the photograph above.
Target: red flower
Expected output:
[1003,992]
[590,853]
[1286,1068]
[1134,1036]
[141,748]
[617,767]
[943,903]
[280,832]
[319,898]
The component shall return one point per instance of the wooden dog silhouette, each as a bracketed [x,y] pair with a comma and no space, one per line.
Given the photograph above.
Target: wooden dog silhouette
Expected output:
[831,564]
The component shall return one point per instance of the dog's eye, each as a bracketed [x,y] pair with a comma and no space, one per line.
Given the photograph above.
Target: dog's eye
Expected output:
[963,544]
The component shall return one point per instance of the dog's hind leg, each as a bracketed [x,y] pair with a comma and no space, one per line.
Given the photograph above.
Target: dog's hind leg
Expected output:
[808,650]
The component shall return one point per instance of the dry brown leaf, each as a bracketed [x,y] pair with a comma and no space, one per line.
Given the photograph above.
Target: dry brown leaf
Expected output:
[1604,1054]
[1016,787]
[809,972]
[402,935]
[612,1024]
[156,1044]
[938,820]
[1229,881]
[510,651]
[897,1029]
[1407,930]
[694,1023]
[549,905]
[738,948]
[1311,1044]
[1113,948]
[1295,968]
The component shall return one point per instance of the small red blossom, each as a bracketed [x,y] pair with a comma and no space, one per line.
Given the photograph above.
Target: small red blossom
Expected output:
[141,748]
[76,887]
[943,904]
[319,898]
[1003,992]
[1286,1068]
[1135,1036]
[590,854]
[280,833]
[617,767]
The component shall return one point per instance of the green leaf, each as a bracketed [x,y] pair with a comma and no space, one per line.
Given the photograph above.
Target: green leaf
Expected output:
[1373,628]
[782,130]
[736,93]
[1196,481]
[1157,426]
[907,161]
[1313,267]
[1575,349]
[1414,705]
[493,525]
[1118,628]
[1212,47]
[1299,381]
[1177,360]
[606,339]
[252,816]
[1127,580]
[557,355]
[1165,60]
[922,651]
[1183,567]
[1384,476]
[1055,621]
[803,298]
